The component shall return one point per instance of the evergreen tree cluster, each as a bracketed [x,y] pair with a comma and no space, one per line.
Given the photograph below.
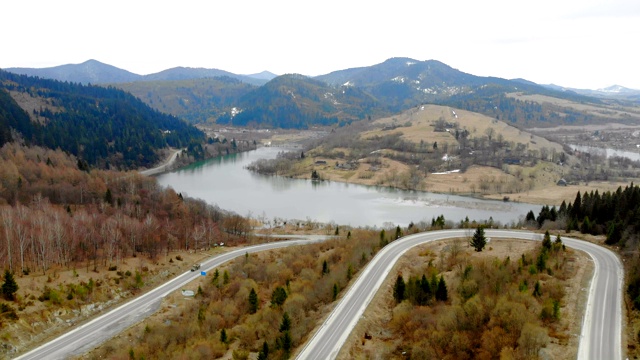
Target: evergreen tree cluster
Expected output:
[420,291]
[614,214]
[103,126]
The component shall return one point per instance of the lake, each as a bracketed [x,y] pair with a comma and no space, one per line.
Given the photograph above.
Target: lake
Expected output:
[225,182]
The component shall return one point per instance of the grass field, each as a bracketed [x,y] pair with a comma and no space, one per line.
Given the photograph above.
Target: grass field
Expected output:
[423,118]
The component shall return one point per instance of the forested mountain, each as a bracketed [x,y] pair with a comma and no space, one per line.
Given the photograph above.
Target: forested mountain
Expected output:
[186,73]
[88,72]
[102,126]
[401,83]
[296,101]
[395,85]
[195,100]
[95,72]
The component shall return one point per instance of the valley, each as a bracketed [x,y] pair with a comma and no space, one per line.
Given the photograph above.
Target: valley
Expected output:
[369,155]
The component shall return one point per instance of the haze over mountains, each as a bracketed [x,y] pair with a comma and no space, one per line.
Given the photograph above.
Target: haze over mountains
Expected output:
[340,97]
[95,72]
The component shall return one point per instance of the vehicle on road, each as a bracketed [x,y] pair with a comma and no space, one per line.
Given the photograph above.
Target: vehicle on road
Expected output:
[195,267]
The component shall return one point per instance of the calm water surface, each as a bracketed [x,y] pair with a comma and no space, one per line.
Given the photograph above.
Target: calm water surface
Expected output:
[225,182]
[607,152]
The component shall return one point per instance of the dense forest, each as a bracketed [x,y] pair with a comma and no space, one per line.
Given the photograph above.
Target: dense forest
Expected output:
[298,102]
[195,100]
[104,127]
[617,216]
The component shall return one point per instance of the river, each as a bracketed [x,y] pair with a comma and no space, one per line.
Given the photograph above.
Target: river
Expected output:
[225,182]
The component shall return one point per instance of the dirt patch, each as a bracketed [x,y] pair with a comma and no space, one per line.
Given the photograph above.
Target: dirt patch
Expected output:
[378,314]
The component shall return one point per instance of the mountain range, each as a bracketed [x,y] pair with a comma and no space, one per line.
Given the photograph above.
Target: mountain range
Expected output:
[95,72]
[339,97]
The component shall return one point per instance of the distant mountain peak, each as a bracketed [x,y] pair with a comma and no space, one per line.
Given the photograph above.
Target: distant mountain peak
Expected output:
[616,89]
[264,75]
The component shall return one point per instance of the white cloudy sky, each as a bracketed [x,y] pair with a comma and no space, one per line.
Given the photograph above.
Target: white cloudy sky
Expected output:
[575,43]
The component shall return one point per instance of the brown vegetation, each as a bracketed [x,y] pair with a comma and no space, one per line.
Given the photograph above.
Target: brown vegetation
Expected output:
[419,148]
[300,282]
[56,219]
[494,310]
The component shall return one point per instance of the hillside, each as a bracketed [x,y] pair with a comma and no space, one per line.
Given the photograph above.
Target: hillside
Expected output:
[103,127]
[296,101]
[195,100]
[449,150]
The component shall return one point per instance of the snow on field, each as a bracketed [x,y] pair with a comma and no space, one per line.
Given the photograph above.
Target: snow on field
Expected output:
[446,172]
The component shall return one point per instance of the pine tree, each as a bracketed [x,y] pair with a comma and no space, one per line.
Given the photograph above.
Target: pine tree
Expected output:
[335,291]
[427,292]
[398,232]
[546,241]
[441,292]
[223,336]
[253,301]
[558,239]
[9,287]
[399,289]
[278,297]
[216,277]
[479,241]
[325,267]
[264,353]
[537,290]
[286,322]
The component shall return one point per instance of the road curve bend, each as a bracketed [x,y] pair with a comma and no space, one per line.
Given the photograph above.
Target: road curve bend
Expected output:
[601,328]
[89,335]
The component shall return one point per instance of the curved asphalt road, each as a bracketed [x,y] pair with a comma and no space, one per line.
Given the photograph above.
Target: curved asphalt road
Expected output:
[87,336]
[601,330]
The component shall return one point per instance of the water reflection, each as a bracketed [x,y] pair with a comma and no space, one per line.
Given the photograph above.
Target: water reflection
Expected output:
[606,152]
[226,182]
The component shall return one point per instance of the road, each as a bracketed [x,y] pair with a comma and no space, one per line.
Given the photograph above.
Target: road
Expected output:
[601,330]
[87,336]
[164,167]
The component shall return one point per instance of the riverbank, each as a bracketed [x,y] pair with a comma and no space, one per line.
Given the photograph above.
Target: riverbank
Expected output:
[537,185]
[167,165]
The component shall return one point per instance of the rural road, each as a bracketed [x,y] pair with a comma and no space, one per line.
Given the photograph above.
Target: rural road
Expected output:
[164,167]
[89,335]
[601,330]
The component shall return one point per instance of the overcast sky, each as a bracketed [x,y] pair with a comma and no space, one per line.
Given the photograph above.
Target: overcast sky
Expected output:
[573,43]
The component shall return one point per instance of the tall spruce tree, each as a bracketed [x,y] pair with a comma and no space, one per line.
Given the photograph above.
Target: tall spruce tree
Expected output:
[399,289]
[253,301]
[9,287]
[479,241]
